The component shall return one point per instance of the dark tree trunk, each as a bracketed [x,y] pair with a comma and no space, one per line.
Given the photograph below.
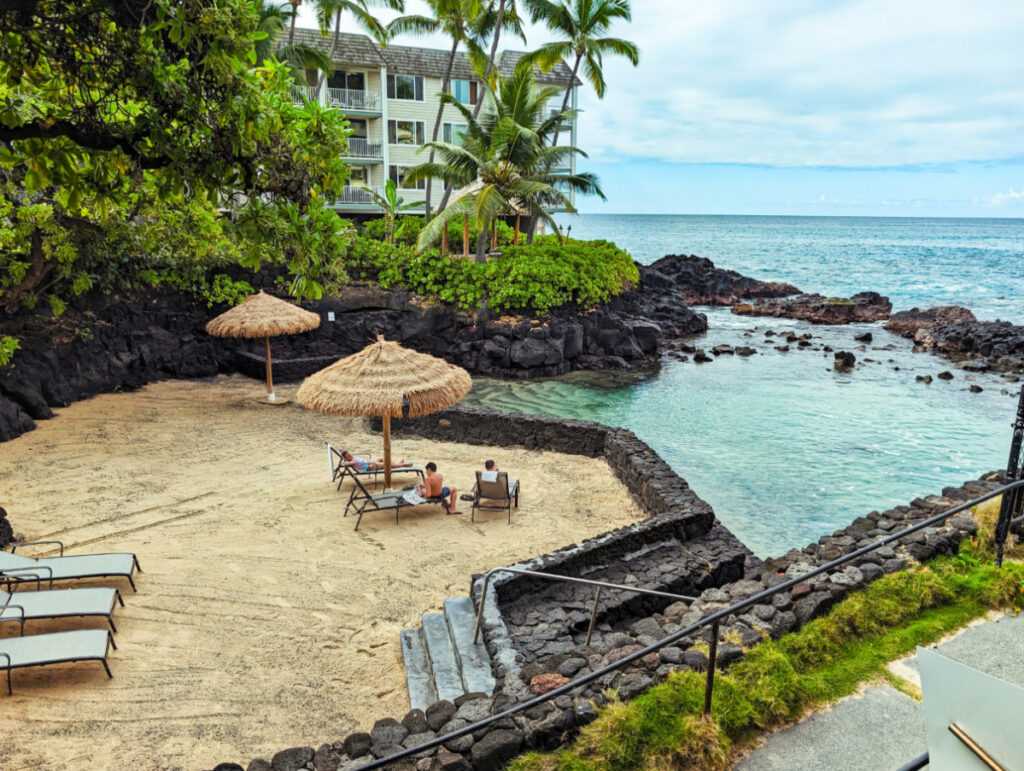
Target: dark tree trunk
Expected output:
[446,87]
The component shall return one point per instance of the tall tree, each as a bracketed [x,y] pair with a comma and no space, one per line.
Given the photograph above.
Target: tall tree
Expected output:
[461,21]
[584,25]
[505,161]
[273,18]
[160,120]
[328,11]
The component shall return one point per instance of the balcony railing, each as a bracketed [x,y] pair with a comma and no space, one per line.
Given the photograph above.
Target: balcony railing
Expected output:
[351,99]
[354,194]
[307,93]
[362,148]
[554,113]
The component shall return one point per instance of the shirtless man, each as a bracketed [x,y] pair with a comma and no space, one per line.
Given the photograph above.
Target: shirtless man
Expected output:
[433,487]
[363,465]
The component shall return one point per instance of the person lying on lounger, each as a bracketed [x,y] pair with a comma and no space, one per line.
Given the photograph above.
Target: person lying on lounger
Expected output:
[363,465]
[433,487]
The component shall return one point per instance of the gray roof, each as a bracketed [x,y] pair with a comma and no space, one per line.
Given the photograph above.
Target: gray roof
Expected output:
[412,60]
[352,49]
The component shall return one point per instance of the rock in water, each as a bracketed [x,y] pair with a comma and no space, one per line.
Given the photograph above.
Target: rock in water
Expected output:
[817,309]
[907,323]
[701,283]
[844,361]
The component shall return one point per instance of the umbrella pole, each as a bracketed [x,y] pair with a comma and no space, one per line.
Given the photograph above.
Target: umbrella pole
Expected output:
[386,421]
[270,377]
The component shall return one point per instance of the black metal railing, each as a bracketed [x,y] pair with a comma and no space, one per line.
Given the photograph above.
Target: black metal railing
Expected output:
[713,620]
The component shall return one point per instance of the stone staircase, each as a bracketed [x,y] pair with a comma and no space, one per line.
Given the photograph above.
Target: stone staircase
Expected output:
[441,661]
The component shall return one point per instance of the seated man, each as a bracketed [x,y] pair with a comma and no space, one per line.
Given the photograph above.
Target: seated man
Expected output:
[362,465]
[433,487]
[490,473]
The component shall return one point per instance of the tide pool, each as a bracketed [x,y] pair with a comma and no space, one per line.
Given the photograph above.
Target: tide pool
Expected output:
[783,447]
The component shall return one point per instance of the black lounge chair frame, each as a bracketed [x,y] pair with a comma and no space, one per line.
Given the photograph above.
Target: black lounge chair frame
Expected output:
[5,662]
[496,504]
[339,471]
[386,501]
[29,570]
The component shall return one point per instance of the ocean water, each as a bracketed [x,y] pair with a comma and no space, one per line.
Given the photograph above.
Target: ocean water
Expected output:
[782,446]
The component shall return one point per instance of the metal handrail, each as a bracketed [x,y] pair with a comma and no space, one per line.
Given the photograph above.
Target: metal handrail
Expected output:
[568,579]
[917,763]
[712,620]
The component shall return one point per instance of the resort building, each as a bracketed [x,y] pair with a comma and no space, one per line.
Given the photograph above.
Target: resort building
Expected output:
[390,97]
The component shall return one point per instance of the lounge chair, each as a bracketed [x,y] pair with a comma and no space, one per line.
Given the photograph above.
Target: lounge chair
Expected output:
[38,650]
[339,471]
[74,567]
[58,603]
[499,492]
[367,501]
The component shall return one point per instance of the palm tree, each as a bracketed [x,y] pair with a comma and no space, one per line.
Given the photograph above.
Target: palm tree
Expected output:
[331,10]
[300,57]
[392,204]
[506,160]
[583,24]
[461,21]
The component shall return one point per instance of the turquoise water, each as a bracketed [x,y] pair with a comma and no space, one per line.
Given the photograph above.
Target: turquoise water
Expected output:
[977,263]
[783,447]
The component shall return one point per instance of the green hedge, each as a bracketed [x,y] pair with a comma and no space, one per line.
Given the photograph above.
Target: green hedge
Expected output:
[537,278]
[408,227]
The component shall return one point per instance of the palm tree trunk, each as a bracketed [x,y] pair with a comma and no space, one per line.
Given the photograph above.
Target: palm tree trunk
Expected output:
[487,75]
[295,12]
[334,49]
[446,86]
[568,93]
[515,241]
[465,235]
[494,235]
[481,244]
[444,239]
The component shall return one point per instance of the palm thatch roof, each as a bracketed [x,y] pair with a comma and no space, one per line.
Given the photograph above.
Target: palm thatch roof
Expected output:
[377,380]
[263,315]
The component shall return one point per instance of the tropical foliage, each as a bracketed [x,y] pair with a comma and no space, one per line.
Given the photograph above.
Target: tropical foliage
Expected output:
[393,204]
[159,143]
[506,157]
[273,18]
[545,275]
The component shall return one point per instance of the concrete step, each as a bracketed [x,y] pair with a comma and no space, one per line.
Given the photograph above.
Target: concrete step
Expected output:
[418,677]
[441,652]
[474,663]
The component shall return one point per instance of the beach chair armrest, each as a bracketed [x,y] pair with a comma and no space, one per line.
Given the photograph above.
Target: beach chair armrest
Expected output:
[25,578]
[21,617]
[30,572]
[16,544]
[7,658]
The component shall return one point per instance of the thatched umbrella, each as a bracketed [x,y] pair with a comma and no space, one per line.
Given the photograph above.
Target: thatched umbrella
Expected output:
[263,315]
[379,380]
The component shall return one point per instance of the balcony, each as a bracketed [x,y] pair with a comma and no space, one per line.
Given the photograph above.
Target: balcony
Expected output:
[358,196]
[302,94]
[554,113]
[350,100]
[365,150]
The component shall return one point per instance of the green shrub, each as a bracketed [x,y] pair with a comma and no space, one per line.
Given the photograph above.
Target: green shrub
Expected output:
[407,229]
[220,290]
[8,345]
[539,277]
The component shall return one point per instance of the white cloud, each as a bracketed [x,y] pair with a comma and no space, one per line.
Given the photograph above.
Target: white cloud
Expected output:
[1012,198]
[857,83]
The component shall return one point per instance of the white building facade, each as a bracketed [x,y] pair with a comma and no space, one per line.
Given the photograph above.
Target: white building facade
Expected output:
[390,98]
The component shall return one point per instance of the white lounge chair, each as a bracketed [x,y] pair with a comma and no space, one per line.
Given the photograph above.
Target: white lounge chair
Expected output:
[70,568]
[38,650]
[58,603]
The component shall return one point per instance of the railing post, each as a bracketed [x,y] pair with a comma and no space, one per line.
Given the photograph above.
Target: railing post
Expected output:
[593,615]
[480,610]
[709,685]
[1012,499]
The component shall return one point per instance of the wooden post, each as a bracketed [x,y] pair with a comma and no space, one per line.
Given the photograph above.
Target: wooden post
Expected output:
[386,421]
[494,235]
[465,235]
[270,377]
[516,241]
[444,239]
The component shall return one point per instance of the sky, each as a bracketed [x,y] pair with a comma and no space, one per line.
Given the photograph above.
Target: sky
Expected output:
[806,107]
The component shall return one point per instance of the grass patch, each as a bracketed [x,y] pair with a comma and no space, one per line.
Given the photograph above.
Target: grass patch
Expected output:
[778,681]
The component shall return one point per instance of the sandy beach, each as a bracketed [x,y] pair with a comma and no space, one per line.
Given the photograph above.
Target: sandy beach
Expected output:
[262,620]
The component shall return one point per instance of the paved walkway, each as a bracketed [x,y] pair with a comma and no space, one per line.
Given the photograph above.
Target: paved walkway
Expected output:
[883,728]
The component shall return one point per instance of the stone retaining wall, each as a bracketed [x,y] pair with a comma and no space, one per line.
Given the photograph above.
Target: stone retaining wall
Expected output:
[553,724]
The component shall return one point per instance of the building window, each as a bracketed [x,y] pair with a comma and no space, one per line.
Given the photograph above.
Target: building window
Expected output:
[464,91]
[353,81]
[358,176]
[408,87]
[358,128]
[454,133]
[405,132]
[397,175]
